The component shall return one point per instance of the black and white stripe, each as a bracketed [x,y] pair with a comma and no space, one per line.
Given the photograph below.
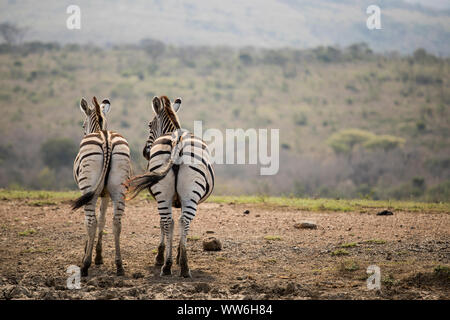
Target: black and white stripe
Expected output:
[100,169]
[179,175]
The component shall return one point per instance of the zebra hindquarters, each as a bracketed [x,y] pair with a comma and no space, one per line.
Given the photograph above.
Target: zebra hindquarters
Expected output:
[118,173]
[87,170]
[192,186]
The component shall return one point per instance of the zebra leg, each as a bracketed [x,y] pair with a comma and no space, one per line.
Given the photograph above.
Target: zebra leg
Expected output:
[182,254]
[119,207]
[164,192]
[91,227]
[178,253]
[167,225]
[162,246]
[101,226]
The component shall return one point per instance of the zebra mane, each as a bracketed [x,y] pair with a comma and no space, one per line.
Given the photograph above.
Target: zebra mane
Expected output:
[170,112]
[98,113]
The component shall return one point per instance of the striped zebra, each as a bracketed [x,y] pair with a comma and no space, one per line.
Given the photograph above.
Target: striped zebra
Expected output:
[100,169]
[179,175]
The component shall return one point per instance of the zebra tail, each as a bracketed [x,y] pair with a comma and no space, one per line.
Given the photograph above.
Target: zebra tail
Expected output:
[136,184]
[85,198]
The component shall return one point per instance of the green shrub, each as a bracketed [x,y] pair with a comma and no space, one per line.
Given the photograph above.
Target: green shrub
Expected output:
[58,152]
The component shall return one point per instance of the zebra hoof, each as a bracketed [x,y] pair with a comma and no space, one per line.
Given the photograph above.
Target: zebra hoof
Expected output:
[166,271]
[186,273]
[98,260]
[84,271]
[120,271]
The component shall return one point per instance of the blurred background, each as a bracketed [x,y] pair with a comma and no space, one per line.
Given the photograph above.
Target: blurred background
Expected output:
[362,113]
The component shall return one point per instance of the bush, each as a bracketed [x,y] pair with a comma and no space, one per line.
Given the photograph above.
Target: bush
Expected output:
[58,152]
[301,119]
[345,140]
[385,142]
[440,192]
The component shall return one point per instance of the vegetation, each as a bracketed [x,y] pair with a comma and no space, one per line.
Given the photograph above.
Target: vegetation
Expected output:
[340,252]
[353,124]
[27,232]
[272,238]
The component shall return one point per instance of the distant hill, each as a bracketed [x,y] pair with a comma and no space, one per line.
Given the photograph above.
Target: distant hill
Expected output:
[406,26]
[352,123]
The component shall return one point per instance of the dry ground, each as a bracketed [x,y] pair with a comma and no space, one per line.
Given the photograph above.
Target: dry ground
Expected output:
[263,257]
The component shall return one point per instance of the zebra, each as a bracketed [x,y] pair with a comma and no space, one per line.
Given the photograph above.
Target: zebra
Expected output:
[179,175]
[100,169]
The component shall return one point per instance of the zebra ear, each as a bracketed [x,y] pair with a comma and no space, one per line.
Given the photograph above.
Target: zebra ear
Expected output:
[84,107]
[177,104]
[157,105]
[105,106]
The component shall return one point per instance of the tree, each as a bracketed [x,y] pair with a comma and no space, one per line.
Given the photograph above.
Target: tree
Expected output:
[345,140]
[11,33]
[154,48]
[385,142]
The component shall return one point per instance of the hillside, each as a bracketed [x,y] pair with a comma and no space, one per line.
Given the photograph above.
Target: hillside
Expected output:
[398,107]
[406,26]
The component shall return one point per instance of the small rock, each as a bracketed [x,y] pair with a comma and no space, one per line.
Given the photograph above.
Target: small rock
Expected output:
[385,213]
[257,216]
[212,244]
[246,211]
[209,231]
[306,225]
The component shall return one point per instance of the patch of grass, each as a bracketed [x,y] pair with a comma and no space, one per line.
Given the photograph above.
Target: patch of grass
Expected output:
[6,194]
[375,241]
[270,261]
[154,251]
[27,232]
[307,204]
[38,250]
[272,238]
[220,259]
[349,245]
[334,205]
[42,203]
[349,266]
[388,280]
[193,238]
[442,270]
[340,252]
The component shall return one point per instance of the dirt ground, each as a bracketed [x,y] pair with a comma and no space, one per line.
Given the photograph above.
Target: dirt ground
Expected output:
[263,256]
